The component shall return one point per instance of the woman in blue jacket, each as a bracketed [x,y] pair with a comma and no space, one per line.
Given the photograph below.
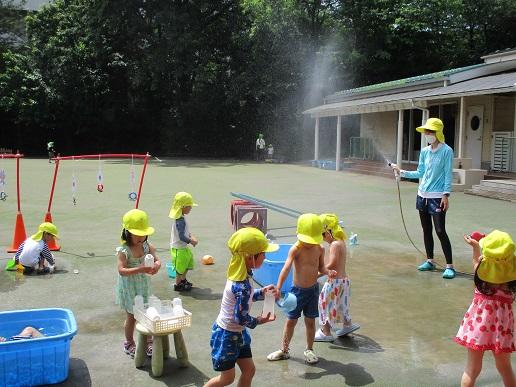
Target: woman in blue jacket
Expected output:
[435,171]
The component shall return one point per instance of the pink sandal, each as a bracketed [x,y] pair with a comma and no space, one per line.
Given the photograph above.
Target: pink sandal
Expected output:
[130,348]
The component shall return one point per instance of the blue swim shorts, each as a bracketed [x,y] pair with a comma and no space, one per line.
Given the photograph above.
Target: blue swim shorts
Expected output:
[227,347]
[307,302]
[429,206]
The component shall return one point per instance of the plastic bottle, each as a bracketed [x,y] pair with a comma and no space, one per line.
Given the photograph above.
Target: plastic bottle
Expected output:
[138,302]
[155,302]
[353,239]
[152,313]
[149,261]
[268,304]
[177,307]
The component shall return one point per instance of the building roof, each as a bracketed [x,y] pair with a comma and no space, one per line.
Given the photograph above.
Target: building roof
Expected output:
[493,84]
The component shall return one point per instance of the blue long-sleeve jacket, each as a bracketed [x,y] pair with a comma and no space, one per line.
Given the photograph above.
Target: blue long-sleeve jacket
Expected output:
[435,171]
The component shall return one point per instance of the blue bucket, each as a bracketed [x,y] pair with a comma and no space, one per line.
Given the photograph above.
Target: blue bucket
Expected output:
[171,270]
[288,303]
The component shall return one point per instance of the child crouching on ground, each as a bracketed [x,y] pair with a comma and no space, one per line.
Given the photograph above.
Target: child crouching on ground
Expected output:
[230,341]
[307,256]
[34,251]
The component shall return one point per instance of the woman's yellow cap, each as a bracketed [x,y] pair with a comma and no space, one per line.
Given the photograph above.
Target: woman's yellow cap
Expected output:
[435,125]
[137,223]
[498,264]
[310,229]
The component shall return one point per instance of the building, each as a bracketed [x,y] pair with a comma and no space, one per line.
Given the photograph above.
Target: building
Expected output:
[476,103]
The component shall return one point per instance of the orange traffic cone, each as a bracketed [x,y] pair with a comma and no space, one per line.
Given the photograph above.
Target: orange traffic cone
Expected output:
[19,234]
[53,246]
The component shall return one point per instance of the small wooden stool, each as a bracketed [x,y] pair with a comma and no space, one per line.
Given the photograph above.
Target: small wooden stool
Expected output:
[160,349]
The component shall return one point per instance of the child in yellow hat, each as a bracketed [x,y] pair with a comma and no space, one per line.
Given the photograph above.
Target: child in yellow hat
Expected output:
[132,278]
[335,294]
[34,252]
[488,325]
[230,340]
[307,256]
[180,238]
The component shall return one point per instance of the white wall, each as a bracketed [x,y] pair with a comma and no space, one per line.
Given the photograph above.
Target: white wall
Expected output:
[382,128]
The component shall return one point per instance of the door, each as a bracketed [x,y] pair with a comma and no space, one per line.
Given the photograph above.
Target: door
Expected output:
[474,132]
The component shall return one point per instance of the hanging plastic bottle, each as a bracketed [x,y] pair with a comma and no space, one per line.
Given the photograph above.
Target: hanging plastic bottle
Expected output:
[100,178]
[3,195]
[74,184]
[132,183]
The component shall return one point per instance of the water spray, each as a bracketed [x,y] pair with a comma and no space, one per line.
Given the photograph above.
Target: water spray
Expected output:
[397,176]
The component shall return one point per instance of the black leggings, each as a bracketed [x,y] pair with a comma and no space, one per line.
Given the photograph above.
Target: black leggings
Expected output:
[440,229]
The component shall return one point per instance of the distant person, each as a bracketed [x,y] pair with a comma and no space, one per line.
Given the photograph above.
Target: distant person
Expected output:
[230,340]
[180,238]
[260,147]
[33,253]
[307,256]
[435,171]
[488,325]
[26,333]
[51,151]
[132,272]
[270,152]
[335,294]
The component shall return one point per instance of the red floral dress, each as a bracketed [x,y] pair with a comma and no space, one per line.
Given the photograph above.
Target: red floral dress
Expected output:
[488,325]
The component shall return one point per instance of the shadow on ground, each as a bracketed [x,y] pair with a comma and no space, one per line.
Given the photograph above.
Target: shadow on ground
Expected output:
[79,374]
[353,374]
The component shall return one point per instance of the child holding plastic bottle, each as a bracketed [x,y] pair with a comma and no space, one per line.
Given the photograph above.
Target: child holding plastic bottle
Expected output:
[180,238]
[132,278]
[334,297]
[488,325]
[307,256]
[230,340]
[34,252]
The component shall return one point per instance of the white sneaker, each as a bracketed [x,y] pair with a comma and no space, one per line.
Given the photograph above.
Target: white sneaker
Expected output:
[320,336]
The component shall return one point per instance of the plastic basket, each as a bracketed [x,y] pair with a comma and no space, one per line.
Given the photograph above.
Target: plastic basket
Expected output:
[166,324]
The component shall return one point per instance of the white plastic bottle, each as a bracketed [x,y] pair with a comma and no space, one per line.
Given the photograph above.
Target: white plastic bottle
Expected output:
[149,261]
[268,304]
[177,307]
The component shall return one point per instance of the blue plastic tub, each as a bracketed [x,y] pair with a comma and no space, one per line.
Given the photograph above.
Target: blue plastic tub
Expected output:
[37,361]
[269,272]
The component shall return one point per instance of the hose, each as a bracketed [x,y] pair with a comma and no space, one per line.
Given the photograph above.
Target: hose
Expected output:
[408,235]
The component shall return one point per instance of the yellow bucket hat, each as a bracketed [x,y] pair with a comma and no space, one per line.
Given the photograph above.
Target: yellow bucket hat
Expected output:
[498,264]
[309,229]
[330,223]
[137,223]
[45,227]
[182,199]
[435,125]
[244,242]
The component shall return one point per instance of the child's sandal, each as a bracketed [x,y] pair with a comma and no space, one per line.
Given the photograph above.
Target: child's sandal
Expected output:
[129,348]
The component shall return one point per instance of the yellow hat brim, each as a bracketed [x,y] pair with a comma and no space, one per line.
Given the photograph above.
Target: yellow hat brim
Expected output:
[309,239]
[148,231]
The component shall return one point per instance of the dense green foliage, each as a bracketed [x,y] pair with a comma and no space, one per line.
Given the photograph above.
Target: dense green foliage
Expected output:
[202,78]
